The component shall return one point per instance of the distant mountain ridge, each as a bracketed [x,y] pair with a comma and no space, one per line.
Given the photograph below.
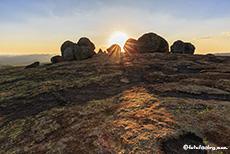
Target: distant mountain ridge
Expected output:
[222,54]
[6,60]
[24,59]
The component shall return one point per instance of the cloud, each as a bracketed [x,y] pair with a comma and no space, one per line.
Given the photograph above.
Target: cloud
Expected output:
[222,35]
[203,38]
[226,33]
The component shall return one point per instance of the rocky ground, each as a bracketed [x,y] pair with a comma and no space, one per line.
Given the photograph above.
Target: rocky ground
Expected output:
[142,103]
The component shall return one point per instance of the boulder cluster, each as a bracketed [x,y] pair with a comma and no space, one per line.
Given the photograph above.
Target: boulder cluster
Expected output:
[150,43]
[77,51]
[147,43]
[182,47]
[81,50]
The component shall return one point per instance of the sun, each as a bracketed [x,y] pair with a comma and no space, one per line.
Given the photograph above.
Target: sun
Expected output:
[118,38]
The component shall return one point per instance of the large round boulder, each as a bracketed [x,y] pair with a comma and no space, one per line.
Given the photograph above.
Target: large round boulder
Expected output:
[151,42]
[131,46]
[178,47]
[182,47]
[77,51]
[83,52]
[84,41]
[67,44]
[189,48]
[114,50]
[67,54]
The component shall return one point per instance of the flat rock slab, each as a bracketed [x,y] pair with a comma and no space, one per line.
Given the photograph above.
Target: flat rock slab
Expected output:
[133,103]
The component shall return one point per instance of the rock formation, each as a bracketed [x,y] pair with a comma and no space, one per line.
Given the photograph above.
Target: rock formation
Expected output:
[189,48]
[147,43]
[182,47]
[114,50]
[67,44]
[68,54]
[131,46]
[151,42]
[100,51]
[151,103]
[86,42]
[56,59]
[83,52]
[77,51]
[33,65]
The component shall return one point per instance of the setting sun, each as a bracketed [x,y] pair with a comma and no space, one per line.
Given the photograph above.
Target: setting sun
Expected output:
[118,38]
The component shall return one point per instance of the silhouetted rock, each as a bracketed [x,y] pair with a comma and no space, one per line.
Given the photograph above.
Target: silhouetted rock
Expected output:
[82,50]
[151,42]
[100,51]
[178,47]
[189,48]
[33,65]
[86,42]
[68,54]
[67,44]
[211,55]
[181,47]
[114,50]
[56,59]
[131,46]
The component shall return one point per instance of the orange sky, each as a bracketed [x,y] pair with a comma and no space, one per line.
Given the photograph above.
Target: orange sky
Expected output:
[51,45]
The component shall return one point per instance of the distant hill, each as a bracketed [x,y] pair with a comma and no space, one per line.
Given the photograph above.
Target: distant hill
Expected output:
[222,54]
[24,59]
[6,60]
[5,66]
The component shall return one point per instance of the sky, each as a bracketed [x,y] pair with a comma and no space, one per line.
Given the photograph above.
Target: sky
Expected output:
[41,26]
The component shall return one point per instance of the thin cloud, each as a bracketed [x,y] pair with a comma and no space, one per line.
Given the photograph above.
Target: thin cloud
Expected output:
[223,35]
[203,38]
[226,33]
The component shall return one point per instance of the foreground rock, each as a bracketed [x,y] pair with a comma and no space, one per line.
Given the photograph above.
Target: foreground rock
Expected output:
[182,47]
[33,65]
[84,49]
[150,103]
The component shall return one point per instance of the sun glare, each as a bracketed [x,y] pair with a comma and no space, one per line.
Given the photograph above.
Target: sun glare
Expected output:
[118,38]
